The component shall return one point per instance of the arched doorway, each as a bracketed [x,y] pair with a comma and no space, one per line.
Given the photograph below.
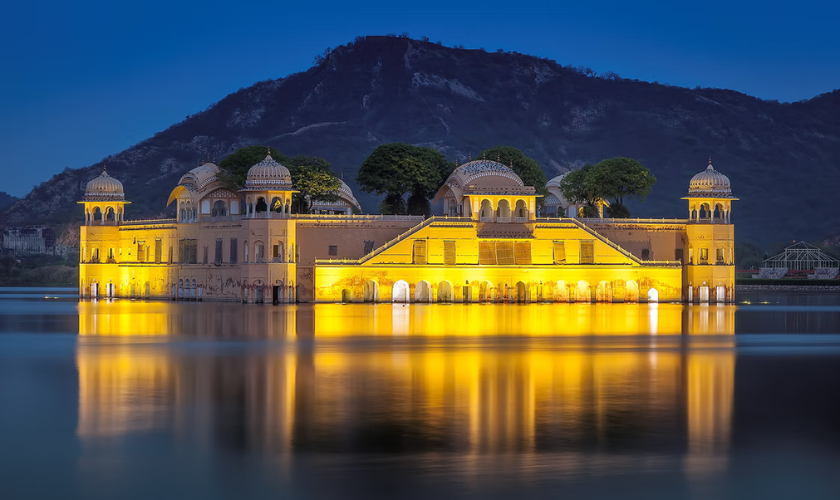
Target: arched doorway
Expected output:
[371,291]
[631,292]
[521,292]
[399,294]
[704,293]
[720,294]
[193,291]
[561,291]
[604,292]
[262,206]
[521,210]
[504,209]
[346,296]
[444,292]
[486,292]
[583,292]
[486,213]
[180,289]
[423,292]
[653,295]
[219,208]
[94,290]
[502,292]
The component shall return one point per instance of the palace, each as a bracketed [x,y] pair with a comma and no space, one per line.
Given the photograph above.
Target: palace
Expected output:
[492,244]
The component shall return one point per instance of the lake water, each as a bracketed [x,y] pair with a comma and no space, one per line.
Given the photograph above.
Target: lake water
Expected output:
[132,399]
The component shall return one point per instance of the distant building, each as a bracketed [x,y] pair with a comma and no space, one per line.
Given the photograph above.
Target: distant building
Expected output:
[31,240]
[489,246]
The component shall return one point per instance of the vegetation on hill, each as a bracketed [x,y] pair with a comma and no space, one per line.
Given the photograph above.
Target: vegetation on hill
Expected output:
[380,90]
[6,200]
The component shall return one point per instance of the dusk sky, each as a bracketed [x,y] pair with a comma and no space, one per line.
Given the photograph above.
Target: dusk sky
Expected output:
[83,80]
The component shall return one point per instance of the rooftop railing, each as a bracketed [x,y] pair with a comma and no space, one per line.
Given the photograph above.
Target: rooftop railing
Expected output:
[138,222]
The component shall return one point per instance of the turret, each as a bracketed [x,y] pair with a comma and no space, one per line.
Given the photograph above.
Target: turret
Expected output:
[710,270]
[104,201]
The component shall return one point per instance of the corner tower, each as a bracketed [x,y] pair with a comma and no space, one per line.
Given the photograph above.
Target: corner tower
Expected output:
[104,201]
[710,269]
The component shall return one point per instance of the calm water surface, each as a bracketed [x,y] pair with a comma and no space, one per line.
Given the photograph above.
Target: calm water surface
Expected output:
[138,399]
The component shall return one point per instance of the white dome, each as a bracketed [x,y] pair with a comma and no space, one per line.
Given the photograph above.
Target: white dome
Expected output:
[710,183]
[103,188]
[268,175]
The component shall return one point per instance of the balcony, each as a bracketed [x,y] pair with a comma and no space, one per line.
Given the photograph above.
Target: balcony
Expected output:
[504,219]
[485,219]
[520,219]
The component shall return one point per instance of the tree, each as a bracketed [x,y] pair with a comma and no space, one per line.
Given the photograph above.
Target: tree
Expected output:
[311,176]
[614,179]
[622,178]
[395,169]
[578,186]
[528,169]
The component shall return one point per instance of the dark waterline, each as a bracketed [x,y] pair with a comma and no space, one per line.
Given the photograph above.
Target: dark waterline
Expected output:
[132,399]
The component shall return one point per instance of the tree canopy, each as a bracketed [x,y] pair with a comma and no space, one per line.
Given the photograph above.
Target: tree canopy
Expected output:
[622,178]
[311,176]
[616,179]
[578,186]
[528,169]
[397,169]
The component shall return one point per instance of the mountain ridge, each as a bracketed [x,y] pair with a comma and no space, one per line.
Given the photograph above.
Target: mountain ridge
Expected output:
[393,89]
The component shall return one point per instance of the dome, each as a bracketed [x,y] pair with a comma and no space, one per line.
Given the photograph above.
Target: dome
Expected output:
[104,187]
[482,168]
[268,175]
[710,183]
[200,176]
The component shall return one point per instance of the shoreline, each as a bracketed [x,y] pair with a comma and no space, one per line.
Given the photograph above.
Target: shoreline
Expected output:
[788,288]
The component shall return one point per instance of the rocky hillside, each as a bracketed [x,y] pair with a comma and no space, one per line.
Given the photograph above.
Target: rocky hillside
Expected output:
[6,200]
[783,159]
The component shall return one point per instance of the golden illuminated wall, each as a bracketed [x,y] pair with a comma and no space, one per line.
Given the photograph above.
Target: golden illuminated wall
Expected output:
[146,261]
[612,276]
[711,261]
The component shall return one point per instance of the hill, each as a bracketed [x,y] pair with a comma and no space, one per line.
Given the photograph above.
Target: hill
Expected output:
[6,200]
[783,159]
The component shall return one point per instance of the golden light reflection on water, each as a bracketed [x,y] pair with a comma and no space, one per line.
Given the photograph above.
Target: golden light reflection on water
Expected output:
[335,394]
[125,318]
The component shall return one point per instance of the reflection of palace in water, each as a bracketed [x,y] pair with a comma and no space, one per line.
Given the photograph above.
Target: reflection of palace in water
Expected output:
[541,394]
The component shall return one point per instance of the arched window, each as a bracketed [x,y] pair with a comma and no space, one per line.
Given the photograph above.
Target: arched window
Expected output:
[521,209]
[261,207]
[504,209]
[486,212]
[219,208]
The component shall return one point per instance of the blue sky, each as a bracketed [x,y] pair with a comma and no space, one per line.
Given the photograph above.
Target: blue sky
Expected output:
[82,80]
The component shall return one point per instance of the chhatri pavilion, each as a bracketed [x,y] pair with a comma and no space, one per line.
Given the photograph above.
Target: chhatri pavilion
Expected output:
[492,243]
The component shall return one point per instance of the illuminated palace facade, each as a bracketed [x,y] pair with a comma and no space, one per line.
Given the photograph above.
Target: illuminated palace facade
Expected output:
[491,245]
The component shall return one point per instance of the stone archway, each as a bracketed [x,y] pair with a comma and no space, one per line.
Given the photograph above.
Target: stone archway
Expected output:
[444,292]
[631,292]
[583,292]
[371,291]
[400,292]
[423,292]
